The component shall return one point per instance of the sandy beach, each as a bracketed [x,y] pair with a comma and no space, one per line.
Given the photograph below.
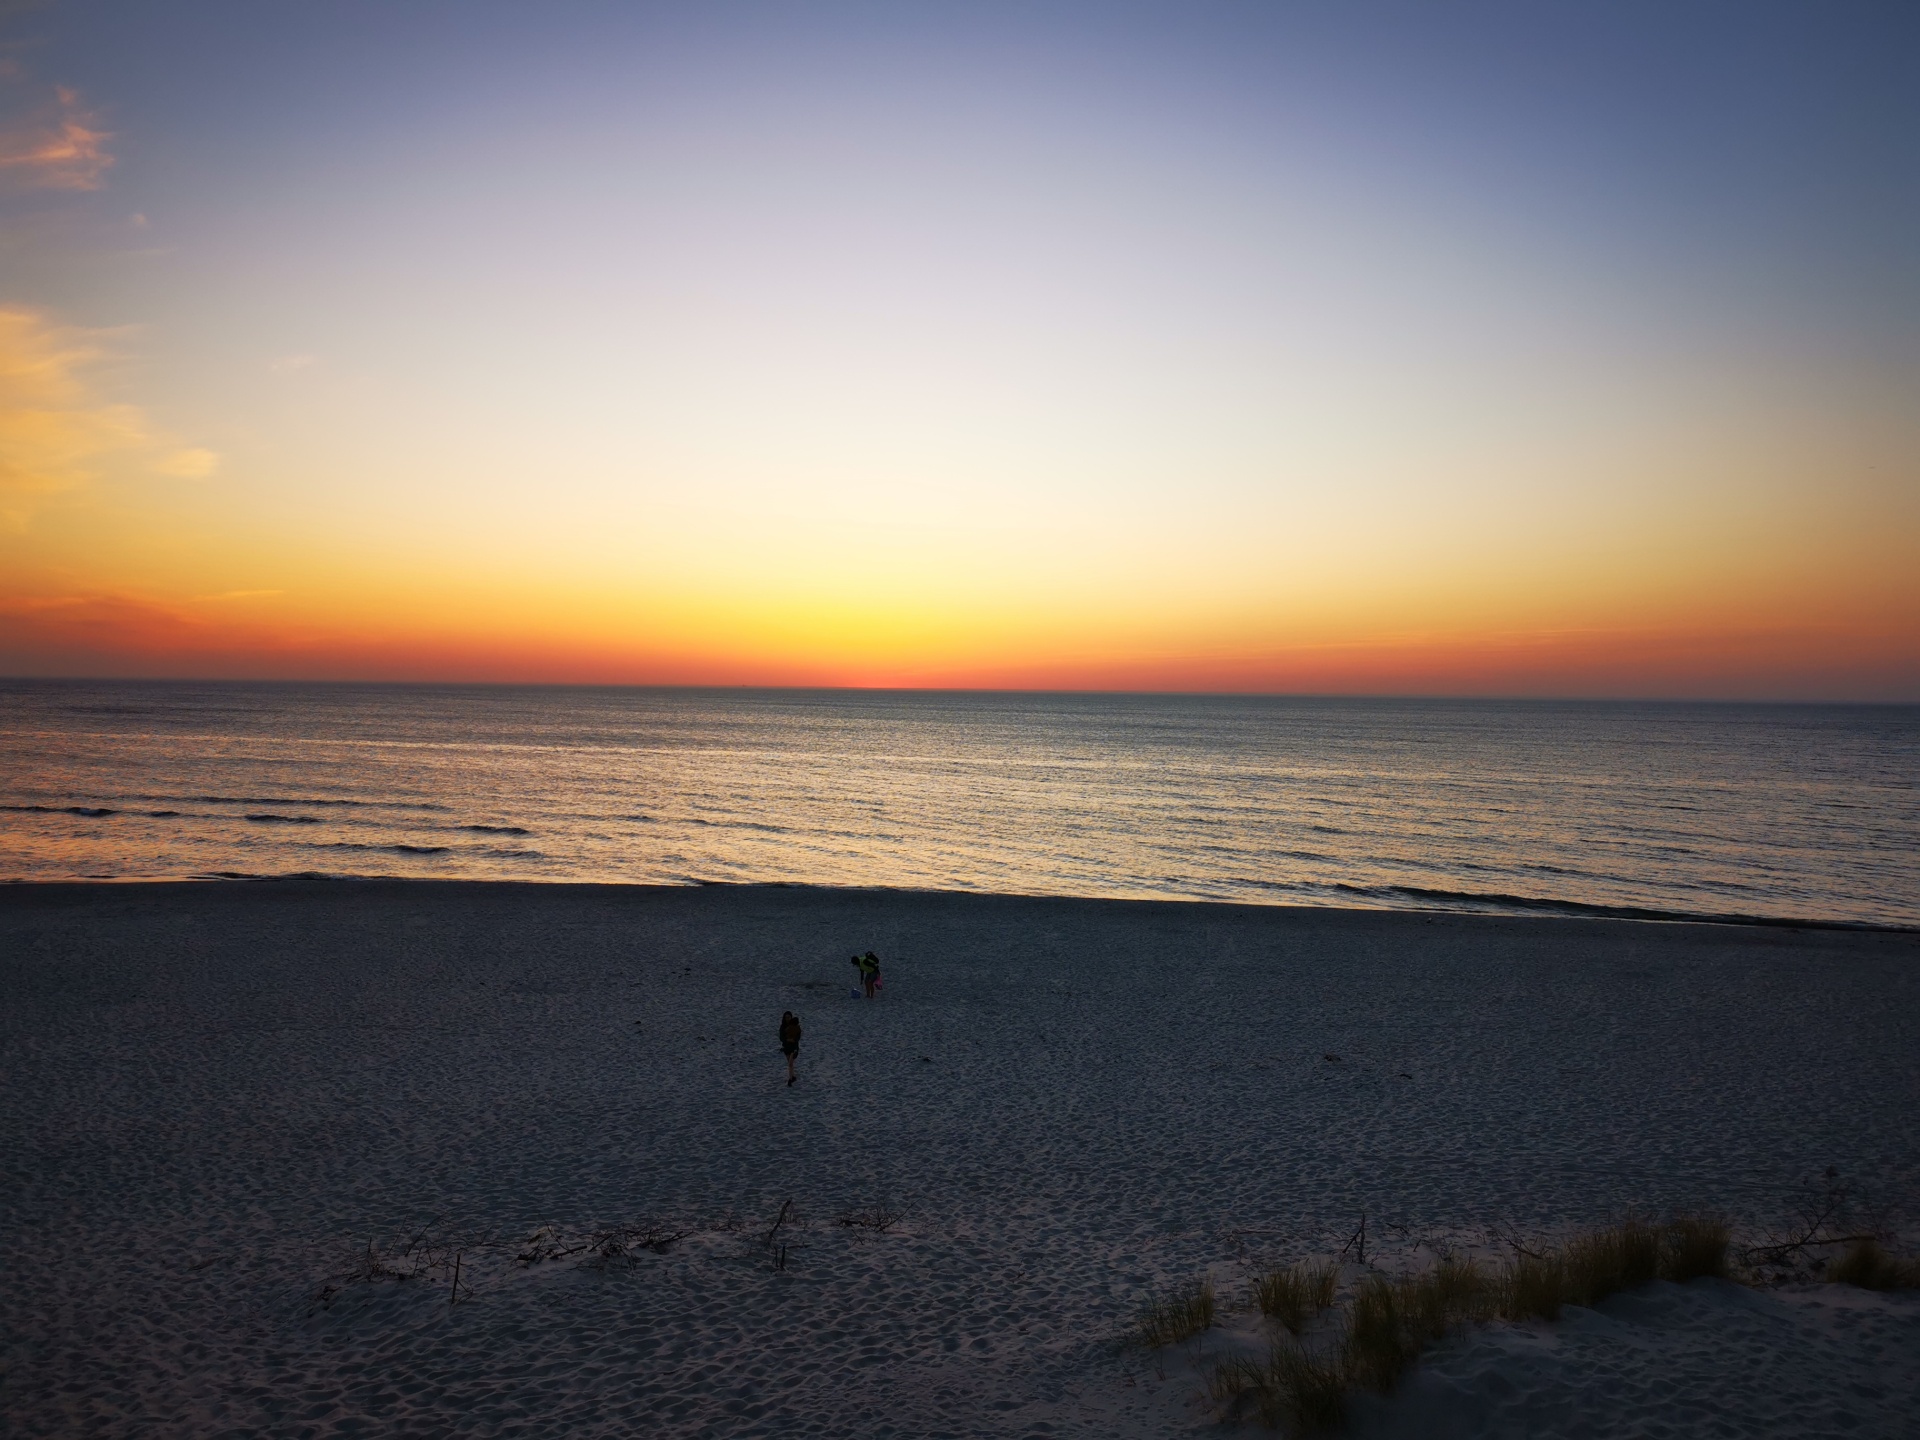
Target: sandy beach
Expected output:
[219,1098]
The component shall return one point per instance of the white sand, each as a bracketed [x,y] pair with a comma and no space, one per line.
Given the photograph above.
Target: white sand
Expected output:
[214,1095]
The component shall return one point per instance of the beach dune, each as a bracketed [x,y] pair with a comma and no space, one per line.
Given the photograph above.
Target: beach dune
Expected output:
[223,1101]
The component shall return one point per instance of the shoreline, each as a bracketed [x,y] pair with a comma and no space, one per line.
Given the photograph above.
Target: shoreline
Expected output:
[1522,907]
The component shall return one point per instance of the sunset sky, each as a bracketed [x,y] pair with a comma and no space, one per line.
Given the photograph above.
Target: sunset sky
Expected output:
[1508,349]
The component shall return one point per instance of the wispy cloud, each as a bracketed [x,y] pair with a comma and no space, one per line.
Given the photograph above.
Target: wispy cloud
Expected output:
[57,433]
[191,464]
[37,630]
[59,148]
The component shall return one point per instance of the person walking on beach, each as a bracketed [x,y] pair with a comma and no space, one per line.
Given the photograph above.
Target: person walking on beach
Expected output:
[790,1041]
[869,967]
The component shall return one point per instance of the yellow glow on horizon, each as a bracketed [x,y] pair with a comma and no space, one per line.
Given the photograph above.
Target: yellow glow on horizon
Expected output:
[1304,434]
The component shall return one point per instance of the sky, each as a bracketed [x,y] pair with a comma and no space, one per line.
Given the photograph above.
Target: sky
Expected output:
[1521,349]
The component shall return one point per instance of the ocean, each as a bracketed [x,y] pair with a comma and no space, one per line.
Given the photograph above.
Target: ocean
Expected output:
[1806,812]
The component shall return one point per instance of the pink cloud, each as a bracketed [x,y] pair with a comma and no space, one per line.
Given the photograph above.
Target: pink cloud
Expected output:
[59,149]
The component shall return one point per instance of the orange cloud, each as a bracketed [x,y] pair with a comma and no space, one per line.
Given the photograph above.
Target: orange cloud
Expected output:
[59,149]
[107,632]
[56,432]
[43,625]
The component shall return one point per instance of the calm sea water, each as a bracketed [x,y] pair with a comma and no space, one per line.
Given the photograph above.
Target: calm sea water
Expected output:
[1786,811]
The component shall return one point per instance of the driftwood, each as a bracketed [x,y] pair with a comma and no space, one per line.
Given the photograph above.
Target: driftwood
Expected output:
[1819,1213]
[1357,1242]
[786,1208]
[443,1259]
[1777,1254]
[881,1217]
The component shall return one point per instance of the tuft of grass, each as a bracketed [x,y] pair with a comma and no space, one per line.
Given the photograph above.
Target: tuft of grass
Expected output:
[1310,1391]
[1295,1295]
[1605,1262]
[1696,1249]
[1177,1315]
[1238,1385]
[1389,1322]
[1590,1267]
[1865,1264]
[1232,1379]
[1303,1391]
[1533,1288]
[1453,1293]
[1378,1343]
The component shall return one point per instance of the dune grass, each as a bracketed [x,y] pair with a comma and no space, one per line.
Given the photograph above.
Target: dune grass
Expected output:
[1176,1315]
[1865,1264]
[1696,1249]
[1295,1295]
[1378,1343]
[1312,1389]
[1388,1322]
[1295,1388]
[1533,1287]
[1304,1386]
[1453,1293]
[1391,1321]
[1604,1262]
[1590,1267]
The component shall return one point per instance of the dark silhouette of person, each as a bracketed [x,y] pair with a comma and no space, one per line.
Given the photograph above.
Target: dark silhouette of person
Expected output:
[790,1041]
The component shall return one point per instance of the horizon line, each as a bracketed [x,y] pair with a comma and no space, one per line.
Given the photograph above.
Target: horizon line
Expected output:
[1318,695]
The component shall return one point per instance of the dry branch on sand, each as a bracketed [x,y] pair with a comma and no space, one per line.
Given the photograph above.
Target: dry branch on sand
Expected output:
[435,1257]
[881,1216]
[423,1256]
[1829,1213]
[601,1247]
[621,1245]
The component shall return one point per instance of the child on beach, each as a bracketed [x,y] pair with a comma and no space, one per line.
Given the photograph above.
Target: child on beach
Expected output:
[869,967]
[790,1041]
